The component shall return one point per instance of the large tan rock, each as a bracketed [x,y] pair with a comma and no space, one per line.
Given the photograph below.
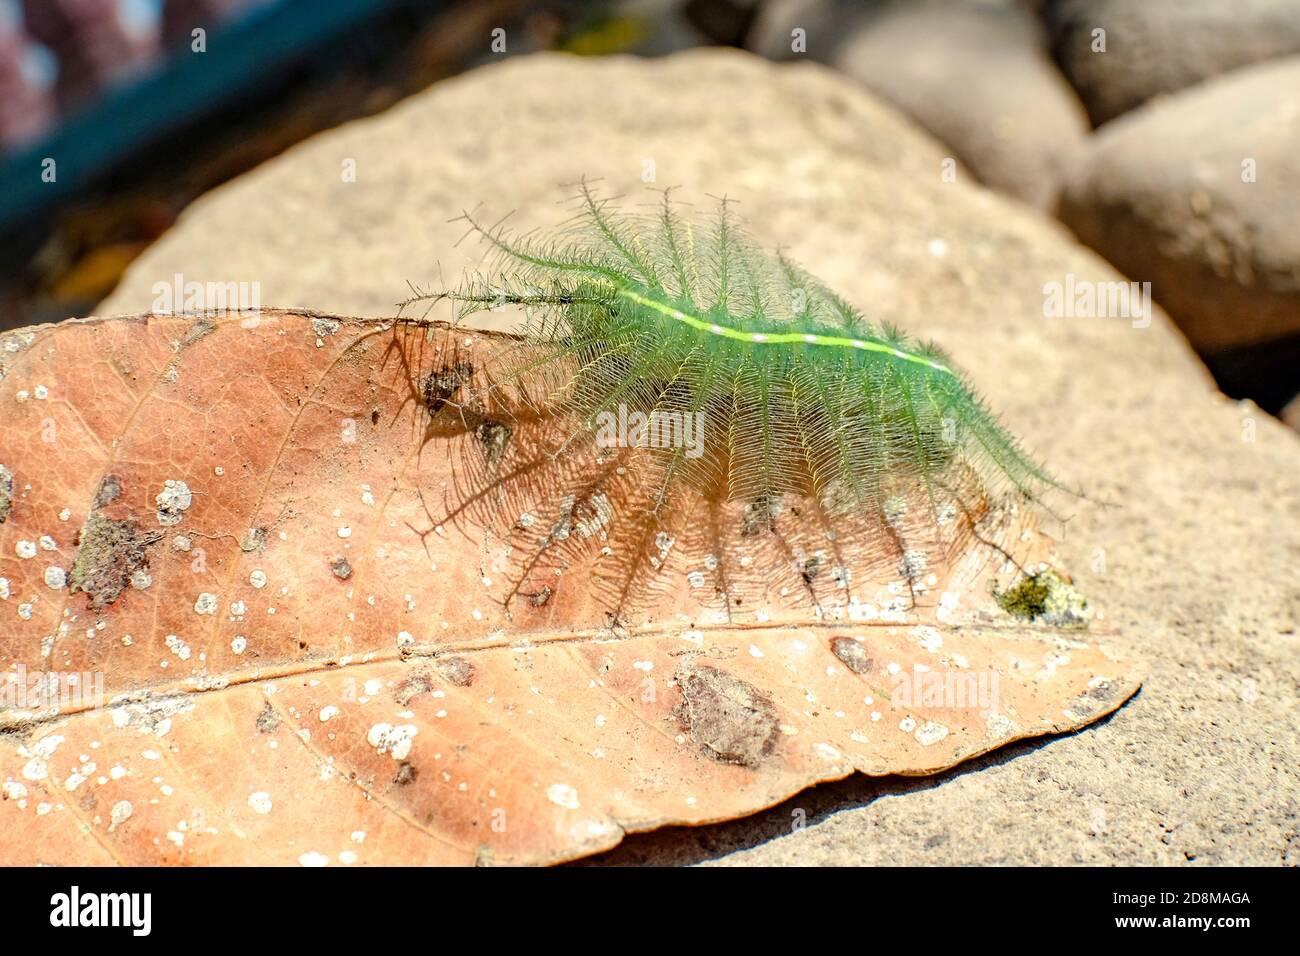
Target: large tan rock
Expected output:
[1188,545]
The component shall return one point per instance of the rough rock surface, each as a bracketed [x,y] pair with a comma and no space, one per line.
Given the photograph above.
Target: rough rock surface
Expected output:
[1161,46]
[1199,194]
[1195,559]
[977,76]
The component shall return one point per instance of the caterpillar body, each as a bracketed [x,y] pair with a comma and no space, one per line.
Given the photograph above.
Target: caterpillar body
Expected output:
[715,392]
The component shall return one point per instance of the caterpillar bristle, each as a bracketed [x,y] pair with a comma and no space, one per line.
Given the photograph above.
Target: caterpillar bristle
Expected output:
[790,416]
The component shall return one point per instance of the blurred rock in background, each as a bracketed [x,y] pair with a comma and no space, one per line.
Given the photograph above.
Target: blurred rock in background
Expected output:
[1199,193]
[975,74]
[1291,414]
[1198,190]
[1162,46]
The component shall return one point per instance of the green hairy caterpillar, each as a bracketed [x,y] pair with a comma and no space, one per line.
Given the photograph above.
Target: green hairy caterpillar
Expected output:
[713,391]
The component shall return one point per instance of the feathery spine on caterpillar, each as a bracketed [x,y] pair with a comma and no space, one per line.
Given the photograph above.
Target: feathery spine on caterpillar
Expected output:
[654,315]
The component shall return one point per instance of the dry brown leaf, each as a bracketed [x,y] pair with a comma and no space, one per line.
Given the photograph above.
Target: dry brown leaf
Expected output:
[281,545]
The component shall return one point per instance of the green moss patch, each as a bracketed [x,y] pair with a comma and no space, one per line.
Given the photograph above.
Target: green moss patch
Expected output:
[1046,597]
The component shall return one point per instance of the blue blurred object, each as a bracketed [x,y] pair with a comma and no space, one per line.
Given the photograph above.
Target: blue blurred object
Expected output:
[259,39]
